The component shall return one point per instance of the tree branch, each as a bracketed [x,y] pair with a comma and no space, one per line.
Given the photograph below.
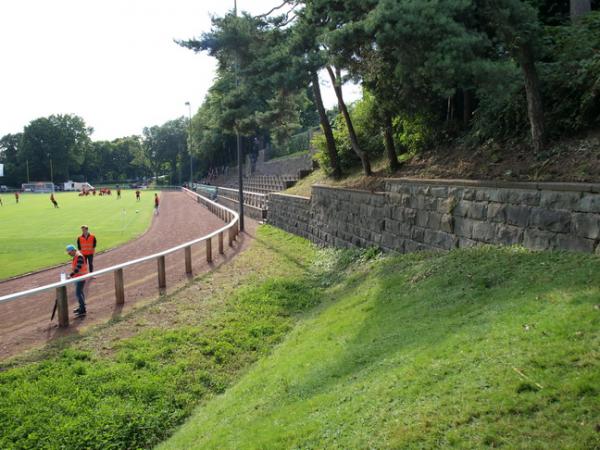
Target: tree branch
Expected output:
[285,2]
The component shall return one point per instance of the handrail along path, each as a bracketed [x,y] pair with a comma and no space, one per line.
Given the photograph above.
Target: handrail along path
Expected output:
[224,213]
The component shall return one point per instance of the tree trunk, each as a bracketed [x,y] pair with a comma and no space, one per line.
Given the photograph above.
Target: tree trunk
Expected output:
[535,108]
[467,106]
[364,158]
[334,161]
[450,109]
[390,148]
[580,8]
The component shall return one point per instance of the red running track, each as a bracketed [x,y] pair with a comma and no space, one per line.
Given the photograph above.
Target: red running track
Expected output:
[25,322]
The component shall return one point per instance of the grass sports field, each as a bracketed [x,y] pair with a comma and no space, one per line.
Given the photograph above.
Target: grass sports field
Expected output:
[33,234]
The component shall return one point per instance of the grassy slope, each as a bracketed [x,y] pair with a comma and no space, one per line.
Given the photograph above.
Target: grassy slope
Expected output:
[33,234]
[473,348]
[127,384]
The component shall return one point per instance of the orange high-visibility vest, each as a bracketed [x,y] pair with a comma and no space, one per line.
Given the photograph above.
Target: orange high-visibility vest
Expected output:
[87,245]
[84,267]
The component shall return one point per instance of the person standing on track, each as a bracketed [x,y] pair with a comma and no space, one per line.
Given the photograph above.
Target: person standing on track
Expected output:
[86,243]
[53,200]
[156,202]
[78,269]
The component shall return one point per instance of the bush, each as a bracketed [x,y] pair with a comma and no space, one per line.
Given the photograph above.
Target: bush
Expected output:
[570,77]
[412,133]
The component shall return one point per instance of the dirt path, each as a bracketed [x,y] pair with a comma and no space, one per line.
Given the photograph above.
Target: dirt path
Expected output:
[25,323]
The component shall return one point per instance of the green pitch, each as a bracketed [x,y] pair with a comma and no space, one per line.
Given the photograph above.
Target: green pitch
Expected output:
[34,234]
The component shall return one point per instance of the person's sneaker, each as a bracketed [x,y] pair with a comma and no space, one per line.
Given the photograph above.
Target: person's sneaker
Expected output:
[80,313]
[76,310]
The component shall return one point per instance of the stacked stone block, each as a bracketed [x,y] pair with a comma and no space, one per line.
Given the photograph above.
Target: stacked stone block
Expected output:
[412,215]
[292,214]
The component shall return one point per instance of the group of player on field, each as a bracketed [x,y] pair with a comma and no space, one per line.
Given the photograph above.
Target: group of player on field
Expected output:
[83,255]
[103,191]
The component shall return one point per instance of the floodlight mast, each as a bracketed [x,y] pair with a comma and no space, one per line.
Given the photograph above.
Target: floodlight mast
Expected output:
[190,143]
[239,144]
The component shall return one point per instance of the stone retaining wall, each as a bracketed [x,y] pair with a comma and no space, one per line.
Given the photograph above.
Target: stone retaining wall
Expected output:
[413,215]
[291,213]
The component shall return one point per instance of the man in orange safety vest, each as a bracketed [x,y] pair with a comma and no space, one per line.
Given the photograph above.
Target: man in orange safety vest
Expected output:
[86,243]
[78,269]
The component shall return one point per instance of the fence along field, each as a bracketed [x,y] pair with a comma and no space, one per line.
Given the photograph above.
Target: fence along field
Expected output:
[232,228]
[33,234]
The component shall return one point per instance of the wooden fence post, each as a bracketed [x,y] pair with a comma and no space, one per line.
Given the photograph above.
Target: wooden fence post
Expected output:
[221,243]
[230,236]
[119,287]
[188,260]
[62,305]
[209,250]
[162,274]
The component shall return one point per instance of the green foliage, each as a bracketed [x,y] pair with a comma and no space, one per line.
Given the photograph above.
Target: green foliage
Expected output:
[259,90]
[14,169]
[367,130]
[119,160]
[570,77]
[282,116]
[502,110]
[347,157]
[412,133]
[165,147]
[64,139]
[296,144]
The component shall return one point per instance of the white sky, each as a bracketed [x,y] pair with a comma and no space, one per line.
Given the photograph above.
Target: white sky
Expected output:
[112,62]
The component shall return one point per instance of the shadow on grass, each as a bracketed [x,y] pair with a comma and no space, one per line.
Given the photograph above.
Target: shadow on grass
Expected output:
[416,308]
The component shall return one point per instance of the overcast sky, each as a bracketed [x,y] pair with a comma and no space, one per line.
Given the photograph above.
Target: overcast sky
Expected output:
[112,62]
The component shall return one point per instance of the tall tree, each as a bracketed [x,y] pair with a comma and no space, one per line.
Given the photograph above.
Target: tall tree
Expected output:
[353,45]
[332,154]
[517,24]
[266,67]
[336,80]
[309,57]
[14,172]
[55,146]
[317,18]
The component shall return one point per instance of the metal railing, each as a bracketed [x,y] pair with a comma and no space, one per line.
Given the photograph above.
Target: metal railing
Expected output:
[225,214]
[250,198]
[207,189]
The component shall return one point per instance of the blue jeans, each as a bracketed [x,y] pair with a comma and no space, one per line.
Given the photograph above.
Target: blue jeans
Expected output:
[80,295]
